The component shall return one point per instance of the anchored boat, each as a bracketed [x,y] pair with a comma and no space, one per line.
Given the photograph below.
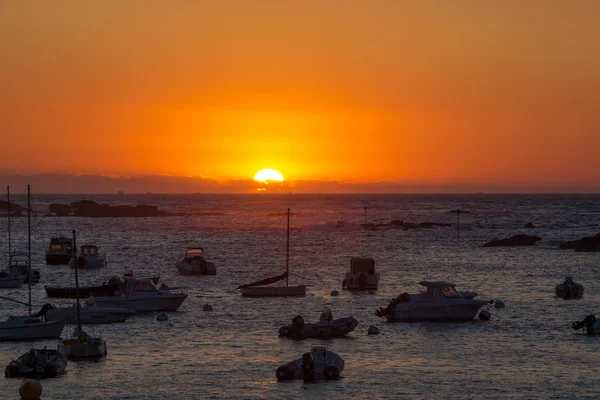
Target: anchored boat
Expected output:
[194,263]
[37,364]
[362,275]
[319,364]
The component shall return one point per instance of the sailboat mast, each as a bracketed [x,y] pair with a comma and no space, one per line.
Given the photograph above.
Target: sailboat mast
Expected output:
[29,243]
[8,222]
[287,251]
[76,281]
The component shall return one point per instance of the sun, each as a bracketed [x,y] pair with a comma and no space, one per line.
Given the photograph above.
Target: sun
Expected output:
[268,174]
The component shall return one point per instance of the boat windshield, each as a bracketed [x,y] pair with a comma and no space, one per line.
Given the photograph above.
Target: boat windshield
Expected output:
[89,250]
[145,286]
[449,291]
[194,252]
[366,265]
[56,246]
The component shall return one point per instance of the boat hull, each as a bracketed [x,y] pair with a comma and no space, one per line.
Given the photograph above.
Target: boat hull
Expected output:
[91,315]
[320,330]
[57,259]
[97,291]
[30,331]
[11,282]
[360,282]
[275,291]
[144,304]
[426,312]
[86,349]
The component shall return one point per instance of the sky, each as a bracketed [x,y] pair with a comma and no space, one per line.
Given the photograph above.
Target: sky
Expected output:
[339,96]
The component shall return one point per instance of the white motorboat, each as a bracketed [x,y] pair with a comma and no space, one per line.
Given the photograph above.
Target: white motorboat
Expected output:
[89,313]
[60,251]
[569,289]
[91,257]
[326,328]
[142,295]
[29,327]
[194,263]
[80,344]
[260,288]
[440,301]
[589,323]
[37,364]
[362,275]
[19,263]
[319,364]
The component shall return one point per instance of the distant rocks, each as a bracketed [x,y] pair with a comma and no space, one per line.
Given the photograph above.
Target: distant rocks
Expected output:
[405,225]
[14,208]
[585,244]
[90,208]
[466,212]
[517,240]
[529,225]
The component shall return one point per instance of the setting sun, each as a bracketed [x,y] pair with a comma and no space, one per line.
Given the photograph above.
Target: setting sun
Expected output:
[265,175]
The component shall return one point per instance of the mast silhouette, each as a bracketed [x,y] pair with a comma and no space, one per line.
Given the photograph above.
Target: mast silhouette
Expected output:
[287,251]
[29,244]
[8,222]
[76,281]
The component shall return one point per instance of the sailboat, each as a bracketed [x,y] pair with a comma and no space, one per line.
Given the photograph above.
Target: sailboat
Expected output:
[11,277]
[80,344]
[260,288]
[29,327]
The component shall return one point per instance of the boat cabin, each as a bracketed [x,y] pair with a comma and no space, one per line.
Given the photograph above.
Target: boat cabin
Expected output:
[19,260]
[139,285]
[90,250]
[438,290]
[193,252]
[362,265]
[61,245]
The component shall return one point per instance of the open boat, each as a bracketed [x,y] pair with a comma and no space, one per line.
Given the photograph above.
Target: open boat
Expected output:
[260,288]
[362,275]
[194,263]
[80,344]
[569,290]
[59,251]
[589,323]
[29,327]
[326,328]
[319,364]
[36,364]
[439,302]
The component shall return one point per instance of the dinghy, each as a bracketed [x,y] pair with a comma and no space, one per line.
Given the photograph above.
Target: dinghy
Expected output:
[319,364]
[37,364]
[326,328]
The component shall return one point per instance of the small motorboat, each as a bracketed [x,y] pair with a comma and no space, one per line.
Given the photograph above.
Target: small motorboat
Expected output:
[29,327]
[362,275]
[114,286]
[37,364]
[440,301]
[10,279]
[589,323]
[319,364]
[194,263]
[569,290]
[60,251]
[89,312]
[18,270]
[142,295]
[90,257]
[326,328]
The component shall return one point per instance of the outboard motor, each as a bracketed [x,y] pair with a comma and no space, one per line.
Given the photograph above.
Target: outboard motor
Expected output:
[298,327]
[584,323]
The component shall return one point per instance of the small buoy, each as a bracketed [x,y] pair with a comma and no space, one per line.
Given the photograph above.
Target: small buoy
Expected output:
[499,304]
[207,307]
[335,293]
[30,390]
[162,317]
[485,315]
[373,330]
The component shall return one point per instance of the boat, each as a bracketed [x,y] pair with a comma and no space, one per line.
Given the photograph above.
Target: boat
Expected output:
[10,277]
[29,327]
[37,364]
[111,288]
[59,251]
[80,345]
[326,328]
[142,295]
[569,290]
[440,301]
[261,288]
[589,323]
[19,263]
[319,364]
[362,275]
[91,257]
[89,313]
[194,263]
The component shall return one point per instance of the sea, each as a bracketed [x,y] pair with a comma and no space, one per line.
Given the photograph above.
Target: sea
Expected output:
[527,350]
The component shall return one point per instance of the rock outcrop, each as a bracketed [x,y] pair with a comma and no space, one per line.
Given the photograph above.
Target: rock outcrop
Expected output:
[90,208]
[588,243]
[517,240]
[405,225]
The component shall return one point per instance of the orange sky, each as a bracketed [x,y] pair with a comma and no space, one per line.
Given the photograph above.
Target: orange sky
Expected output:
[427,93]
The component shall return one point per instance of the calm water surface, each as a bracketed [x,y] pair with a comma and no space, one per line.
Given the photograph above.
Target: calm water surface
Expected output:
[527,350]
